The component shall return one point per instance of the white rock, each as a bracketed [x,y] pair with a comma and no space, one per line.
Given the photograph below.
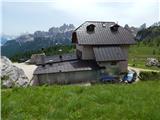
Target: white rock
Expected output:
[152,62]
[14,76]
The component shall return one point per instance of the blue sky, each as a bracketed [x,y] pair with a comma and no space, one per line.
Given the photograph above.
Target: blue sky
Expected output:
[20,16]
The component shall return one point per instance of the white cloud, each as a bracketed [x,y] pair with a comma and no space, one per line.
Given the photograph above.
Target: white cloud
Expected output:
[95,1]
[139,11]
[132,12]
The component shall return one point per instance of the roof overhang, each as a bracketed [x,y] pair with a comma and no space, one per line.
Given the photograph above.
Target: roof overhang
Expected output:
[104,54]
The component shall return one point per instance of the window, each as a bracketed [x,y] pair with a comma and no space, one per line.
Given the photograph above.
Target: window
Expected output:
[79,54]
[90,28]
[113,63]
[103,67]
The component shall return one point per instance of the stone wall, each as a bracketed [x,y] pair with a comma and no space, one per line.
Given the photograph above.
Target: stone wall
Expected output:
[66,77]
[87,52]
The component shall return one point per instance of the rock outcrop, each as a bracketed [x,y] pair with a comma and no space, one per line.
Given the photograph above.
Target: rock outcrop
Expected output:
[12,76]
[152,62]
[132,30]
[38,40]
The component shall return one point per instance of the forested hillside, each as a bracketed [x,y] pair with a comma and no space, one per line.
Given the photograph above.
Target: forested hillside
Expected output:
[148,46]
[149,36]
[58,49]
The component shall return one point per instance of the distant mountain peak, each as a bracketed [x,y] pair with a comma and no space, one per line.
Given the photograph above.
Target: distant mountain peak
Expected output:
[63,28]
[39,39]
[131,29]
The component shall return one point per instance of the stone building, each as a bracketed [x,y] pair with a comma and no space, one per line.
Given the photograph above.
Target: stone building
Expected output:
[101,49]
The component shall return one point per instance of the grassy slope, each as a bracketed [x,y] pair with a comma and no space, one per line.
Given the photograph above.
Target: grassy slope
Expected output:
[99,102]
[139,54]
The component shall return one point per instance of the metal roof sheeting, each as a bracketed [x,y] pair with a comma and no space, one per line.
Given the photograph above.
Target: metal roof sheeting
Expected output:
[109,54]
[68,66]
[102,34]
[56,58]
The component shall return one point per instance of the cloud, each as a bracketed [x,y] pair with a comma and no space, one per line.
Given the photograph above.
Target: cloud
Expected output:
[125,11]
[41,14]
[95,1]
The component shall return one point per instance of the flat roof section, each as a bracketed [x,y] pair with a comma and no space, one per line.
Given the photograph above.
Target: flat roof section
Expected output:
[68,66]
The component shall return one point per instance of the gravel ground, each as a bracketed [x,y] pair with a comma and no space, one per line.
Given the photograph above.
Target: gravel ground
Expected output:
[28,69]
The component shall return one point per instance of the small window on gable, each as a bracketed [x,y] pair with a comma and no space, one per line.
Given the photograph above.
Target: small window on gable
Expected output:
[114,27]
[90,28]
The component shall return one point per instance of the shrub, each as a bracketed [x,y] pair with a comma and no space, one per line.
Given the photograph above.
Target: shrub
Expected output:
[5,77]
[149,76]
[154,52]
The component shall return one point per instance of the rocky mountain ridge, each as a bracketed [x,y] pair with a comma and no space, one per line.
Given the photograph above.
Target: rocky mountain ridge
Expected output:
[39,40]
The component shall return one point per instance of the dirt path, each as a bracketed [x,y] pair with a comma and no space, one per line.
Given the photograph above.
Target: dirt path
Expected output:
[138,70]
[28,69]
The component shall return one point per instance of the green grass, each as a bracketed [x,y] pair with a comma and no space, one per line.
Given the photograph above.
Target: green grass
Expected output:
[139,101]
[139,54]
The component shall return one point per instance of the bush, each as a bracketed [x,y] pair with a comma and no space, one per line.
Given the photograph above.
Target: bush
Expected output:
[5,77]
[149,76]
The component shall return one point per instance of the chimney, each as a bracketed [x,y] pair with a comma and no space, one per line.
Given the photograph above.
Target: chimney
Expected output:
[114,28]
[90,28]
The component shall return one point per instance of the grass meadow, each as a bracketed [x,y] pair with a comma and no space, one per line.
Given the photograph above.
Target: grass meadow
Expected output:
[138,55]
[139,101]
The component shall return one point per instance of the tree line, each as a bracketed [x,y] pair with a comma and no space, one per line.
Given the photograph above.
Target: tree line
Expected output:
[54,50]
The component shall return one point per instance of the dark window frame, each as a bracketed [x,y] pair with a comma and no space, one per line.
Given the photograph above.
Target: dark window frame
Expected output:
[113,63]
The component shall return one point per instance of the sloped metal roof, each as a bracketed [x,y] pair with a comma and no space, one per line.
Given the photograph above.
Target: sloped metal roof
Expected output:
[113,53]
[56,58]
[103,35]
[68,66]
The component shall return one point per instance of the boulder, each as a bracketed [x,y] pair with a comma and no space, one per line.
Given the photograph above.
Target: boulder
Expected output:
[12,76]
[152,62]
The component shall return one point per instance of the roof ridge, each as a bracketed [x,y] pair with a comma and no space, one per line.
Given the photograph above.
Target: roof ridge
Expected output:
[101,21]
[80,26]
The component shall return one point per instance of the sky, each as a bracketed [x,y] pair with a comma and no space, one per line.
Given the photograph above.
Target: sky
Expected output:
[21,16]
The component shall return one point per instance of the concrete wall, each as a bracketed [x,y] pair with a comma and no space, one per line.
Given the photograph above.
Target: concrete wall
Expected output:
[87,52]
[66,78]
[125,49]
[120,67]
[79,47]
[109,68]
[123,66]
